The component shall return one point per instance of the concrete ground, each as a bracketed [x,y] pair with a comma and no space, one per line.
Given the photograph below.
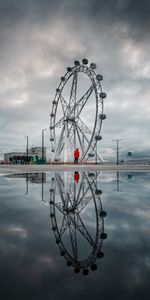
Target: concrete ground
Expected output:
[12,169]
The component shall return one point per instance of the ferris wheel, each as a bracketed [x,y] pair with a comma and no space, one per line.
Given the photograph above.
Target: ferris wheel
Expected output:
[77,113]
[70,205]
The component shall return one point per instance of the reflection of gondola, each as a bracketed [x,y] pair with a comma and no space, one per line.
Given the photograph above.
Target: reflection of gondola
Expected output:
[68,213]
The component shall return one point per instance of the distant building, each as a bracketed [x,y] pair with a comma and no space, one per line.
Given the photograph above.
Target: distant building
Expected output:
[145,161]
[34,154]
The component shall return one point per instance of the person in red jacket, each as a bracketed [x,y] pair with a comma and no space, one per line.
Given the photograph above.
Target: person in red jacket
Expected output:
[76,176]
[76,156]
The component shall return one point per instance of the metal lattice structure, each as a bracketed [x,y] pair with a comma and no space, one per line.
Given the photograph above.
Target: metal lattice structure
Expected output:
[77,113]
[68,207]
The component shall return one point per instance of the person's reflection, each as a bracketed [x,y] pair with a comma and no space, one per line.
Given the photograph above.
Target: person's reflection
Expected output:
[76,176]
[70,206]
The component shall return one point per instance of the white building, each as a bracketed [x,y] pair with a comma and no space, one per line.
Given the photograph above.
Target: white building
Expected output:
[21,157]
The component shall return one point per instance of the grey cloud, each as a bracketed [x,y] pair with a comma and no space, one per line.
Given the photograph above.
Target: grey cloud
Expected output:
[130,12]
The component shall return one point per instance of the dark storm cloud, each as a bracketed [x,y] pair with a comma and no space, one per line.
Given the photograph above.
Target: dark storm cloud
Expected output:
[135,14]
[39,39]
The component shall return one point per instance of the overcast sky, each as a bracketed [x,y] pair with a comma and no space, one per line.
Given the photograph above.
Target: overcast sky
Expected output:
[39,39]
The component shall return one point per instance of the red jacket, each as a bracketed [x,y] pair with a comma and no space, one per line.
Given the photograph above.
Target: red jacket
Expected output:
[76,153]
[76,177]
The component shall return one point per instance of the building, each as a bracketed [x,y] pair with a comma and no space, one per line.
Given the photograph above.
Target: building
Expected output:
[34,155]
[143,161]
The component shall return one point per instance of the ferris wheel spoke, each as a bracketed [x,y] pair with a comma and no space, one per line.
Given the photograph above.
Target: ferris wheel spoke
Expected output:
[73,236]
[59,207]
[88,142]
[82,229]
[69,197]
[66,198]
[64,226]
[86,139]
[84,203]
[79,192]
[69,128]
[83,196]
[64,105]
[73,93]
[59,122]
[70,188]
[69,201]
[84,128]
[79,138]
[82,101]
[60,144]
[60,188]
[71,194]
[71,137]
[84,192]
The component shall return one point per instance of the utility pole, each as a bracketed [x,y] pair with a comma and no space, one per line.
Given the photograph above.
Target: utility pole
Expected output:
[117,141]
[27,150]
[43,144]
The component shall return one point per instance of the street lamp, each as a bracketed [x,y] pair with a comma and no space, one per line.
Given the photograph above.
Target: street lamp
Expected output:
[27,150]
[43,144]
[117,140]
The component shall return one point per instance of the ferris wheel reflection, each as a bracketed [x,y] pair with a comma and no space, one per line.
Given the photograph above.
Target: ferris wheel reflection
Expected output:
[77,219]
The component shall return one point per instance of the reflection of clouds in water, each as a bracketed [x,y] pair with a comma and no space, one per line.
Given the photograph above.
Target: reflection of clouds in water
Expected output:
[143,215]
[47,260]
[17,231]
[34,262]
[11,236]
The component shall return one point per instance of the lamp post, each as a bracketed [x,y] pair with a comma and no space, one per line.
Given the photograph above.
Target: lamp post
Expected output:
[27,150]
[43,144]
[117,140]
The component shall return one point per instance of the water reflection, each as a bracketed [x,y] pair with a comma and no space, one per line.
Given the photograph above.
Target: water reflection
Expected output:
[74,198]
[76,214]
